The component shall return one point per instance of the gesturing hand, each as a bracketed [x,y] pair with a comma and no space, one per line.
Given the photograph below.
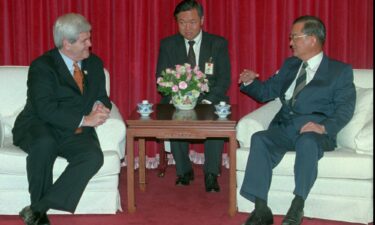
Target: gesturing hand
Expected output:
[247,76]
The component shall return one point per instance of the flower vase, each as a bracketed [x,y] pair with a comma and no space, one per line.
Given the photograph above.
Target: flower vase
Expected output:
[185,102]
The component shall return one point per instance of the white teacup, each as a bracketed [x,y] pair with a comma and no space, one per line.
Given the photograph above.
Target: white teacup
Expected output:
[222,108]
[144,107]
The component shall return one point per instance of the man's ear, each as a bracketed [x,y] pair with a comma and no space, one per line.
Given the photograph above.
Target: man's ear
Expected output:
[202,20]
[66,44]
[314,41]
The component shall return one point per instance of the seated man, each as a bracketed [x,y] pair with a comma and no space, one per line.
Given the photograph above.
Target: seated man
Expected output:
[318,99]
[63,107]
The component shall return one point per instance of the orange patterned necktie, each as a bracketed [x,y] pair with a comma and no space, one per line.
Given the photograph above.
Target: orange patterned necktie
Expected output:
[78,76]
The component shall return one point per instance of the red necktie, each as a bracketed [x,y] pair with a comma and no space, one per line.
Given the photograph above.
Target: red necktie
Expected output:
[78,77]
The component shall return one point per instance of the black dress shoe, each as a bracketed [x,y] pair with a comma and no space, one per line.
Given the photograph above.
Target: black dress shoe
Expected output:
[29,216]
[210,181]
[293,217]
[260,217]
[185,179]
[44,220]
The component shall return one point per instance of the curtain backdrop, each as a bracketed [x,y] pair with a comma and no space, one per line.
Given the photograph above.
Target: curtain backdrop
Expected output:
[126,35]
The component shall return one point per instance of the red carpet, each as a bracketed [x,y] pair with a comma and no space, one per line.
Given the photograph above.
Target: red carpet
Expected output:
[164,203]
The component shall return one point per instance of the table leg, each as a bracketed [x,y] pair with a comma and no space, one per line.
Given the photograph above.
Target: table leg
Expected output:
[142,164]
[232,176]
[163,161]
[130,171]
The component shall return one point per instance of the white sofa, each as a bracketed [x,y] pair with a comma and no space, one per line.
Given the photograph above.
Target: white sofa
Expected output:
[101,195]
[343,190]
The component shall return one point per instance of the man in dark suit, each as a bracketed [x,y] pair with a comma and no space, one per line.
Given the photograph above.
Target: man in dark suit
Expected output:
[210,53]
[318,99]
[59,119]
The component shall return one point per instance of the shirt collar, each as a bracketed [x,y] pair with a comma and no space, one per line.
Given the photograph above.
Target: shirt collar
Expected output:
[197,39]
[69,62]
[315,61]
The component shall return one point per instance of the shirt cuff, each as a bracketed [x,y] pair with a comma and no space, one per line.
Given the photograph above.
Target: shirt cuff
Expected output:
[205,101]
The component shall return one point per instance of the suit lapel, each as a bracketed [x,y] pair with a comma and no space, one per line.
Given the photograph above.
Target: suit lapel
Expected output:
[204,52]
[291,75]
[320,75]
[180,54]
[322,69]
[63,70]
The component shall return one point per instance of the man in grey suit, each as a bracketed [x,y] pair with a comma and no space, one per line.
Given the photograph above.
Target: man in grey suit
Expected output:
[318,99]
[59,119]
[210,53]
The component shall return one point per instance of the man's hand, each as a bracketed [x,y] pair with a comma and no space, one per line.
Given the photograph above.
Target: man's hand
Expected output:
[247,76]
[97,116]
[313,127]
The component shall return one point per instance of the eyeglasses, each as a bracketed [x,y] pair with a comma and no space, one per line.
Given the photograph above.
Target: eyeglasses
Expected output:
[294,36]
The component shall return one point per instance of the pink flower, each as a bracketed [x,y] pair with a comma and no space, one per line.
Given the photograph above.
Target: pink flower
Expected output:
[175,88]
[159,80]
[199,74]
[178,75]
[182,85]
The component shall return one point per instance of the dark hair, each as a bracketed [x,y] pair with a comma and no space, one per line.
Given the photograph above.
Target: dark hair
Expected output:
[187,5]
[313,26]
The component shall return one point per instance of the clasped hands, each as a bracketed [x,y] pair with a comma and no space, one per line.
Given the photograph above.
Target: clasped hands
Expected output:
[98,115]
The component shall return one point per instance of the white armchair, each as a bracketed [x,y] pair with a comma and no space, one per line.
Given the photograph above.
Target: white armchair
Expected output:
[101,195]
[343,190]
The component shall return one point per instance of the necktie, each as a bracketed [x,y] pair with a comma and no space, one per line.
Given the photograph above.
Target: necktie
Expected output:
[78,77]
[300,82]
[191,54]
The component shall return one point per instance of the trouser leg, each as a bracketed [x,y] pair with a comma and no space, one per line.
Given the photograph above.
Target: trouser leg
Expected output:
[213,149]
[180,152]
[267,149]
[85,158]
[42,150]
[39,163]
[309,149]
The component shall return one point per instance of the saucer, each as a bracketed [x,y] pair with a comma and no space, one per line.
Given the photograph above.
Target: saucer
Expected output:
[222,115]
[145,114]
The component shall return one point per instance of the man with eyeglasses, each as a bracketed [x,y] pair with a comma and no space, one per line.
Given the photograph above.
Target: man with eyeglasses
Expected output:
[210,52]
[318,98]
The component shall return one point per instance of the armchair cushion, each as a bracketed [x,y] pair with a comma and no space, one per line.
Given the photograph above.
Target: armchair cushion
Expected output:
[363,112]
[1,134]
[256,121]
[364,140]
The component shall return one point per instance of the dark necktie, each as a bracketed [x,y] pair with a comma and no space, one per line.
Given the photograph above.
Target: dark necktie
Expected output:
[300,82]
[191,54]
[78,77]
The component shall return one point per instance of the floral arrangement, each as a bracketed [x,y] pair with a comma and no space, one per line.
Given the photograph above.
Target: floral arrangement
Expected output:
[182,80]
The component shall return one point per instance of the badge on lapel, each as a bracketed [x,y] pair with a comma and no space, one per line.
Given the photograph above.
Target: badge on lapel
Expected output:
[209,67]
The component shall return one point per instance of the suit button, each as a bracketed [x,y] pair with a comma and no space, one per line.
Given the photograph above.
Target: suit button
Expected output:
[291,113]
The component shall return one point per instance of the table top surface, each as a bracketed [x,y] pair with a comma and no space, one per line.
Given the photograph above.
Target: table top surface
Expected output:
[167,113]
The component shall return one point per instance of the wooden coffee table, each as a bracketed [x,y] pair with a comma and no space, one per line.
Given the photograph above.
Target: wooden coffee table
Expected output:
[168,123]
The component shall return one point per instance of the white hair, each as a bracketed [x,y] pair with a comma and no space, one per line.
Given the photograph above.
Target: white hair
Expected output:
[68,27]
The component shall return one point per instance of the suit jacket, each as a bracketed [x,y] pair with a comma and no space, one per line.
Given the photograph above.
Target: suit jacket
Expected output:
[53,97]
[213,49]
[328,99]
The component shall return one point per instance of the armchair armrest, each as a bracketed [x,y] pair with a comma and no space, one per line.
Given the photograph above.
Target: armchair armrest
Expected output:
[1,133]
[112,133]
[255,121]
